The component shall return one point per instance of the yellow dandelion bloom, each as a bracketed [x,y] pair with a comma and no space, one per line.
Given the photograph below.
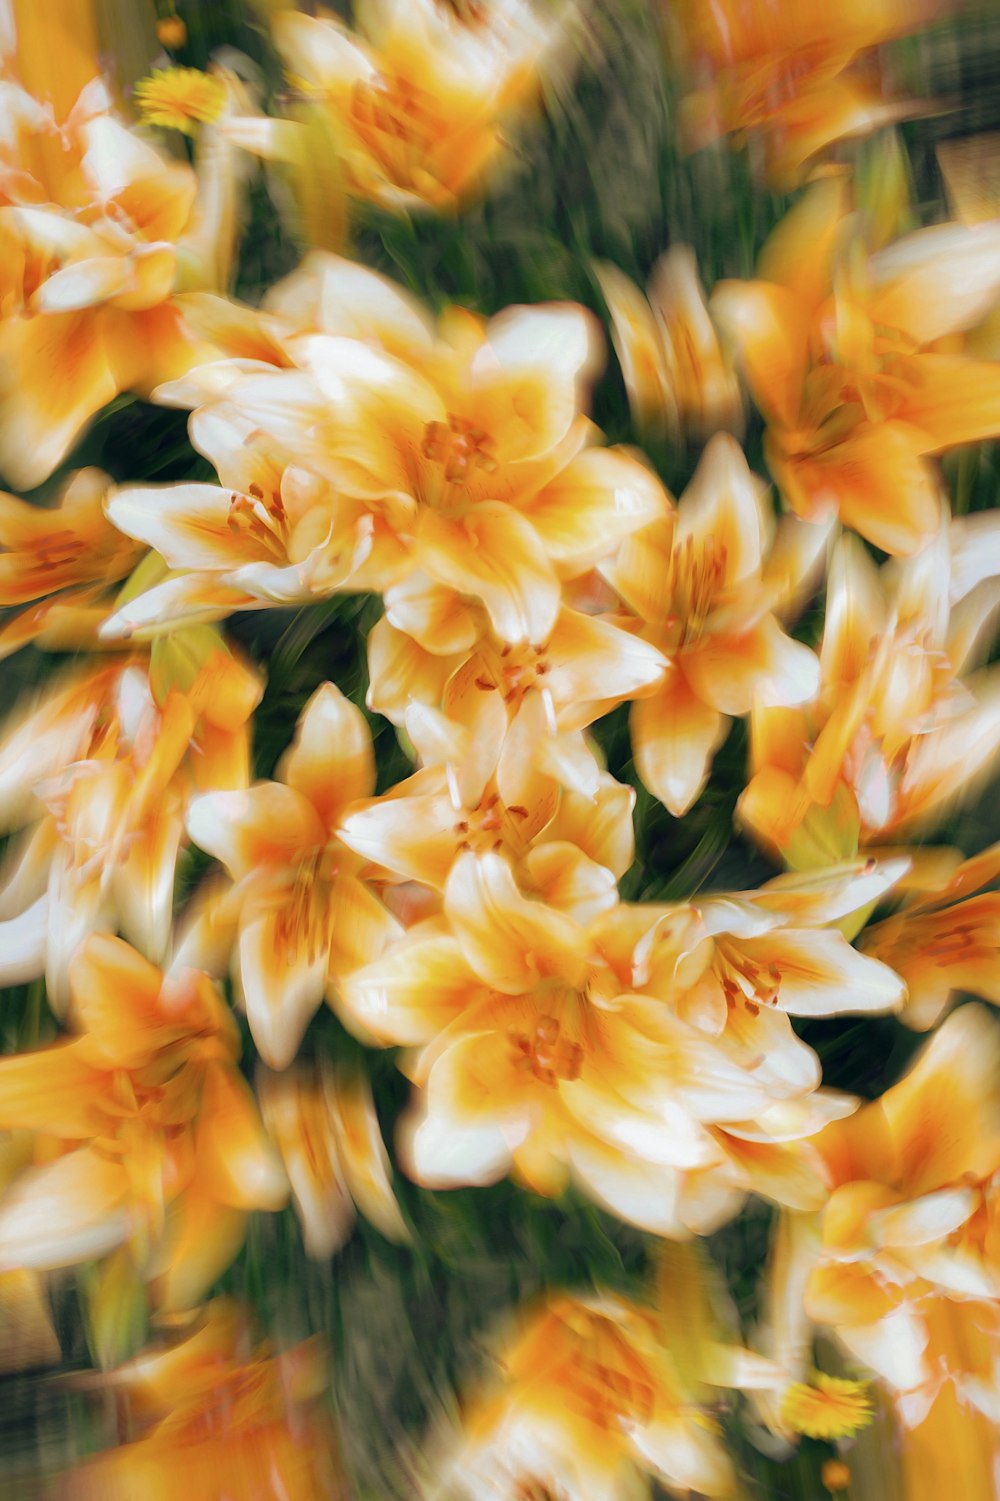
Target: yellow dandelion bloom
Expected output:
[832,1407]
[179,98]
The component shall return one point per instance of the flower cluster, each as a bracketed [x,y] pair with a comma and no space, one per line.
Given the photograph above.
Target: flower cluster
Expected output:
[536,599]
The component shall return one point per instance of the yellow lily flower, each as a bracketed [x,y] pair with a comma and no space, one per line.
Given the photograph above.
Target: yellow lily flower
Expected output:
[565,846]
[896,728]
[216,1418]
[53,552]
[298,915]
[469,467]
[97,231]
[487,708]
[793,81]
[703,584]
[420,99]
[846,356]
[902,1257]
[102,769]
[151,1115]
[553,1046]
[677,376]
[323,1122]
[591,1404]
[943,940]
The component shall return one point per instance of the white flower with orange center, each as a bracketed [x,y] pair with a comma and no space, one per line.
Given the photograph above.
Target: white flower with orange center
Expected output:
[704,582]
[99,773]
[297,915]
[551,1045]
[900,724]
[156,1138]
[469,465]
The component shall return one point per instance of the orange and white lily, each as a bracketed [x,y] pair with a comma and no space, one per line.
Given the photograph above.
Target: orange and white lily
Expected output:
[97,231]
[419,99]
[592,1403]
[65,556]
[488,708]
[153,1132]
[471,468]
[849,357]
[677,375]
[704,583]
[793,81]
[945,938]
[272,534]
[214,1413]
[322,1120]
[906,1244]
[897,728]
[566,846]
[102,769]
[556,1047]
[298,914]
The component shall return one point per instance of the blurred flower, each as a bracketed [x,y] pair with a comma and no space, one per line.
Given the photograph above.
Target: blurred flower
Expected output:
[903,1257]
[66,556]
[835,1475]
[847,356]
[704,583]
[592,1403]
[944,939]
[323,1122]
[101,770]
[554,1046]
[179,99]
[300,917]
[171,32]
[828,1407]
[213,1416]
[420,102]
[465,463]
[154,1131]
[897,728]
[566,845]
[677,376]
[97,232]
[793,80]
[488,708]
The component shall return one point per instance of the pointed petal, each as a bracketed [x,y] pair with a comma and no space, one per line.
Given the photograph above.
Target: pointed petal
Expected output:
[511,943]
[267,824]
[24,943]
[70,1210]
[412,992]
[768,327]
[731,672]
[282,984]
[822,975]
[235,1157]
[495,555]
[601,496]
[331,761]
[944,1115]
[674,736]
